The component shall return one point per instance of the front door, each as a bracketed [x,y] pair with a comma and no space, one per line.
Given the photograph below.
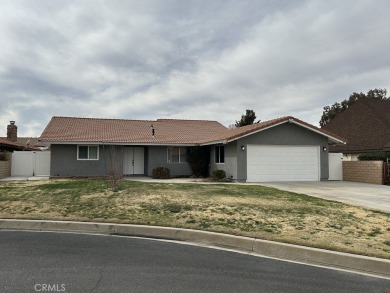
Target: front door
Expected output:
[133,161]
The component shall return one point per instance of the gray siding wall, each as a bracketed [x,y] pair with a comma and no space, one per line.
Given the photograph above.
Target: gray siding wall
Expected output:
[64,162]
[158,157]
[230,165]
[285,134]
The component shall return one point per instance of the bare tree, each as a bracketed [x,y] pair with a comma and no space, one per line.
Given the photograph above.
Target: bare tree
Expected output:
[115,167]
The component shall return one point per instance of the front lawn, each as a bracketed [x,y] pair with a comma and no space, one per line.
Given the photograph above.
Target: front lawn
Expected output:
[247,210]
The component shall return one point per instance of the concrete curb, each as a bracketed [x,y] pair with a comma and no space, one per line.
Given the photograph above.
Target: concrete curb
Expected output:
[357,263]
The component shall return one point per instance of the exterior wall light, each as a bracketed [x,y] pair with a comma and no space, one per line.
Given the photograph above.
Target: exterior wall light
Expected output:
[324,148]
[243,148]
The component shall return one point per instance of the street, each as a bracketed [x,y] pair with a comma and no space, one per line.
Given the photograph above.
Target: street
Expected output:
[65,262]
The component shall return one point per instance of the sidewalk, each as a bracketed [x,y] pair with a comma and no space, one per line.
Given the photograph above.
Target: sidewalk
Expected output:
[171,180]
[24,178]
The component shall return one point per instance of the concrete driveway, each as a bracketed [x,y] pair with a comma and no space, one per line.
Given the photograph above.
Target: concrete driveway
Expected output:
[360,194]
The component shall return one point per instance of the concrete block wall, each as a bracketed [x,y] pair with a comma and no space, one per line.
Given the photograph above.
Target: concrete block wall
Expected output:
[5,166]
[5,169]
[363,171]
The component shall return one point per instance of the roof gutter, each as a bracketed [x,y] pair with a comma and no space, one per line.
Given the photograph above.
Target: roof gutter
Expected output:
[291,121]
[215,142]
[254,132]
[119,143]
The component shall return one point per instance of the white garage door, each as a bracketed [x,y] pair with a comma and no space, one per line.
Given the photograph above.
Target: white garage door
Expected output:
[282,163]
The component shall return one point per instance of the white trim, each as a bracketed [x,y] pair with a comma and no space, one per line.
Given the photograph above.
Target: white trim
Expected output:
[219,157]
[214,142]
[317,131]
[88,159]
[175,146]
[254,132]
[319,149]
[280,123]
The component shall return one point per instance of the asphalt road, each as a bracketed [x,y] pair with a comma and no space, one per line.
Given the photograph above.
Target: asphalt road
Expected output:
[54,262]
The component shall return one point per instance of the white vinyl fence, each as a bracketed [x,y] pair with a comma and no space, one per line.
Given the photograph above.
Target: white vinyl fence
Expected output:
[336,166]
[30,163]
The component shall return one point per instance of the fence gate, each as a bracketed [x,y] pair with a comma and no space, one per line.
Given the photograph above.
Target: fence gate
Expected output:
[335,166]
[30,163]
[386,172]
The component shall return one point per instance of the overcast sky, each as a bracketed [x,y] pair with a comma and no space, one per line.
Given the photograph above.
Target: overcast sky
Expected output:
[187,59]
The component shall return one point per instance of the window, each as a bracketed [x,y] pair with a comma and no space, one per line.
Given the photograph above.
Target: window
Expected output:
[177,154]
[220,154]
[87,152]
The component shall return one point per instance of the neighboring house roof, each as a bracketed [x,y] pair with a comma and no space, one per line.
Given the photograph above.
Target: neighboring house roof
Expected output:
[30,141]
[10,145]
[365,124]
[166,131]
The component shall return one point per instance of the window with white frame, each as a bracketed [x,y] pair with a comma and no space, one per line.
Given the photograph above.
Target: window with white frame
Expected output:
[177,154]
[87,152]
[220,154]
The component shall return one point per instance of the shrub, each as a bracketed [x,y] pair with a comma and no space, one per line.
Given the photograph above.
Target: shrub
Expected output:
[161,173]
[198,158]
[378,156]
[218,175]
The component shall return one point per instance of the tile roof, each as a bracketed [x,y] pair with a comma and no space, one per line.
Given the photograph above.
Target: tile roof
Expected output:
[13,145]
[30,141]
[236,133]
[167,131]
[365,124]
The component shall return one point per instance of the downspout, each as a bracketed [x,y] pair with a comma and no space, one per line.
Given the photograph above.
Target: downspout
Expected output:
[105,163]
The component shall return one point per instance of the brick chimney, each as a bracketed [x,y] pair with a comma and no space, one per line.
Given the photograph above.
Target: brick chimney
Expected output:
[12,132]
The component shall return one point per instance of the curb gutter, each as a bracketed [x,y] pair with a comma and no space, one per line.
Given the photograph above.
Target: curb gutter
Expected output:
[316,256]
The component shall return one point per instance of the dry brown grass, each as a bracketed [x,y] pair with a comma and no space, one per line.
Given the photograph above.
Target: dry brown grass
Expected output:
[253,211]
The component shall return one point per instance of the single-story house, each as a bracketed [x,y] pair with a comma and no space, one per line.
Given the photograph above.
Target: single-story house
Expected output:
[366,127]
[283,149]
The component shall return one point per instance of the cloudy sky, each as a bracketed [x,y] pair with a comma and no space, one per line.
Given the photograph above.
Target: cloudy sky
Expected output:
[187,59]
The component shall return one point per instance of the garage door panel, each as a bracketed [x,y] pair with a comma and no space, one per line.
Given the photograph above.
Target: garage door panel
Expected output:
[282,163]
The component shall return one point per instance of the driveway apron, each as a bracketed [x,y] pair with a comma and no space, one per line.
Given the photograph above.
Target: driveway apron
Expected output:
[360,194]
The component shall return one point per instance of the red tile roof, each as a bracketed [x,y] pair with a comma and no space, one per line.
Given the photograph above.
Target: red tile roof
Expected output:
[167,131]
[5,143]
[30,142]
[236,133]
[365,124]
